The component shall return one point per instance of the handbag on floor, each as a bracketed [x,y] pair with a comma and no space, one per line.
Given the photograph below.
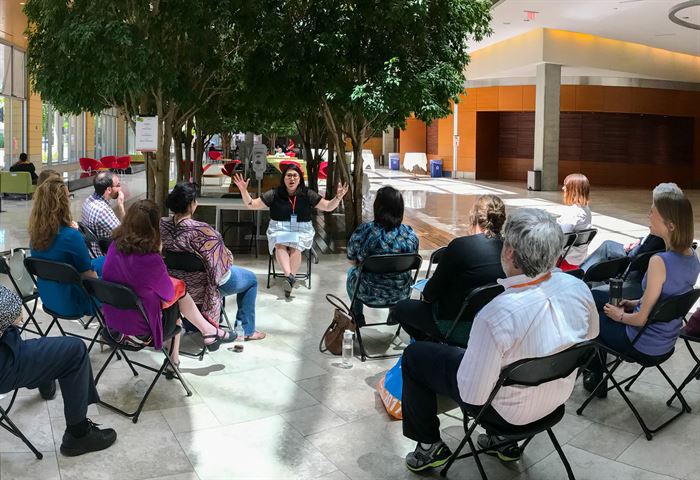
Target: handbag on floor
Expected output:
[332,339]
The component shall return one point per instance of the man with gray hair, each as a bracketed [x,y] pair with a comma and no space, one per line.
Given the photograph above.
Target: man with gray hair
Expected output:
[610,249]
[542,311]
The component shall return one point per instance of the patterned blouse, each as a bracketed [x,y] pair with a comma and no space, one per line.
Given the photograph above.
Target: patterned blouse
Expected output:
[371,239]
[200,238]
[10,308]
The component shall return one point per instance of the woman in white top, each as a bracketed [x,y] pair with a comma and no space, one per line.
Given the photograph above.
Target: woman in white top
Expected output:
[577,216]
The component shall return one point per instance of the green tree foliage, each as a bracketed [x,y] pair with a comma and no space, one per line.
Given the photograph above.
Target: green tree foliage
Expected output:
[159,57]
[366,64]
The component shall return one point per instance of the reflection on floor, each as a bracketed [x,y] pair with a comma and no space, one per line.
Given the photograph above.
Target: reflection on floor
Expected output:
[282,410]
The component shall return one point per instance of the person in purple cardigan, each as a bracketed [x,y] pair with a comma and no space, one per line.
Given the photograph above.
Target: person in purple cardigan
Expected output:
[134,260]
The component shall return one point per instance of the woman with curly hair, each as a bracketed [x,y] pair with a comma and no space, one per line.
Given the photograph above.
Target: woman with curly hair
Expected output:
[467,263]
[53,235]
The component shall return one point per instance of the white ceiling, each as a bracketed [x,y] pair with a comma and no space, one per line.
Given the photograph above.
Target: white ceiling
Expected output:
[638,21]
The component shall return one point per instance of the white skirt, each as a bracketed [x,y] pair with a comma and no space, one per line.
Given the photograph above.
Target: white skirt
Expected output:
[280,233]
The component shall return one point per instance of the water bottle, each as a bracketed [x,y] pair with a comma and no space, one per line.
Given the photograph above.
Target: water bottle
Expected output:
[616,285]
[240,338]
[347,348]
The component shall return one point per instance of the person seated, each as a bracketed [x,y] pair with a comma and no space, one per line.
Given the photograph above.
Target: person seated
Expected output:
[38,363]
[181,233]
[24,165]
[291,205]
[134,260]
[382,236]
[53,235]
[97,214]
[46,174]
[610,249]
[279,153]
[542,311]
[576,217]
[670,273]
[468,262]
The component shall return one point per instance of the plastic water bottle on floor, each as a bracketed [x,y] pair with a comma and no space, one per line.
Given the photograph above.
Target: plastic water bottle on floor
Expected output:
[347,348]
[240,338]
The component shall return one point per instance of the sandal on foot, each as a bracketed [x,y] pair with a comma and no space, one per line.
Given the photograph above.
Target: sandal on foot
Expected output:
[256,335]
[226,336]
[169,373]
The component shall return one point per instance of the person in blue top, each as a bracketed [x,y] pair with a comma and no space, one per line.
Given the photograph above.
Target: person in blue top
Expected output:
[673,272]
[385,235]
[53,235]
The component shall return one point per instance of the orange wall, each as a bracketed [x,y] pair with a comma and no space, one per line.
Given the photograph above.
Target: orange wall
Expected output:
[412,138]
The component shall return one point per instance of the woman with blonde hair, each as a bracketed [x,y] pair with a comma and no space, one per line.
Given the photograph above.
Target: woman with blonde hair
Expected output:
[670,273]
[576,217]
[467,263]
[53,235]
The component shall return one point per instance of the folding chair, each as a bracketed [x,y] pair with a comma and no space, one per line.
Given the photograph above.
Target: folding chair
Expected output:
[191,262]
[638,266]
[91,237]
[435,258]
[382,265]
[529,372]
[311,256]
[9,425]
[475,301]
[65,274]
[12,265]
[576,239]
[695,370]
[664,311]
[123,298]
[601,272]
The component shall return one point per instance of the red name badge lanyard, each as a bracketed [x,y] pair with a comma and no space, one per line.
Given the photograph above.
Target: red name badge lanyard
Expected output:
[293,204]
[293,216]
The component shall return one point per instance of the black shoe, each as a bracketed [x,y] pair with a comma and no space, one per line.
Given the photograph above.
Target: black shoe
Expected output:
[94,440]
[288,285]
[436,456]
[48,390]
[591,381]
[510,452]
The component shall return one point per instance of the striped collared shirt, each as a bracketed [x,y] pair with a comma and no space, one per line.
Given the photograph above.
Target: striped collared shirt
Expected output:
[531,318]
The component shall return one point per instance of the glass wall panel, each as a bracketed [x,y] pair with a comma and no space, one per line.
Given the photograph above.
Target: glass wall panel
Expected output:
[5,69]
[106,133]
[3,130]
[18,74]
[17,128]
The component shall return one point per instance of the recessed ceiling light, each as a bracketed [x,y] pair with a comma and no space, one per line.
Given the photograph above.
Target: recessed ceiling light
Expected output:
[21,3]
[506,23]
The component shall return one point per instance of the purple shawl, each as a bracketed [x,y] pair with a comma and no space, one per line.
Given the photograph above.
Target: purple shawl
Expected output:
[147,276]
[199,238]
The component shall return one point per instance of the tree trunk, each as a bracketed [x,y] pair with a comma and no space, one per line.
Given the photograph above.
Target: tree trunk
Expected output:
[226,144]
[200,143]
[189,126]
[179,163]
[330,180]
[150,175]
[358,176]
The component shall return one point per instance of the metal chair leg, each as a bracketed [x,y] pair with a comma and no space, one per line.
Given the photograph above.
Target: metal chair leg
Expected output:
[564,460]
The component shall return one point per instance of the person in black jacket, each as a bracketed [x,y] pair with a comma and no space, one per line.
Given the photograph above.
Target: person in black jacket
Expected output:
[469,262]
[24,165]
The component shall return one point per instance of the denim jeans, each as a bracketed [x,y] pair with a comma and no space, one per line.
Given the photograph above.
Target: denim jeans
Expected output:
[608,250]
[245,285]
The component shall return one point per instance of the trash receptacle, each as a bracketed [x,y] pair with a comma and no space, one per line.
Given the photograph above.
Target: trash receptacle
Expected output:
[436,168]
[534,180]
[394,161]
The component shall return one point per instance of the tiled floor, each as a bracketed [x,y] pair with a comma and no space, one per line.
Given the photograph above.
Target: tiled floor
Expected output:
[282,410]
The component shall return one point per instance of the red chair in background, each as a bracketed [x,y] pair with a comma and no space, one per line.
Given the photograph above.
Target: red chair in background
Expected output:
[214,155]
[108,161]
[122,164]
[229,167]
[90,165]
[323,171]
[284,164]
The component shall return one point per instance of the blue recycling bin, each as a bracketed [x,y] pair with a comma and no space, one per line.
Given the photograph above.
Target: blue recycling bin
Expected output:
[436,168]
[394,161]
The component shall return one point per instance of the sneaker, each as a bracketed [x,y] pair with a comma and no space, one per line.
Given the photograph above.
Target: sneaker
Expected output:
[48,390]
[591,381]
[509,452]
[419,459]
[94,440]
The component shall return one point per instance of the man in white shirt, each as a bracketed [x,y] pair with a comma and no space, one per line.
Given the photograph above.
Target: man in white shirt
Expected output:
[542,311]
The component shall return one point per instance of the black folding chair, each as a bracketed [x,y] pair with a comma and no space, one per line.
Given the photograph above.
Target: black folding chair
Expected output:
[435,258]
[241,224]
[601,272]
[15,270]
[91,237]
[475,301]
[191,262]
[10,426]
[694,373]
[65,274]
[311,256]
[638,266]
[529,372]
[576,239]
[123,298]
[664,311]
[382,265]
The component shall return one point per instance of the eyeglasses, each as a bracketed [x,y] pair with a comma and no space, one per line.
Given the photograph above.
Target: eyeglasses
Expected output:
[292,175]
